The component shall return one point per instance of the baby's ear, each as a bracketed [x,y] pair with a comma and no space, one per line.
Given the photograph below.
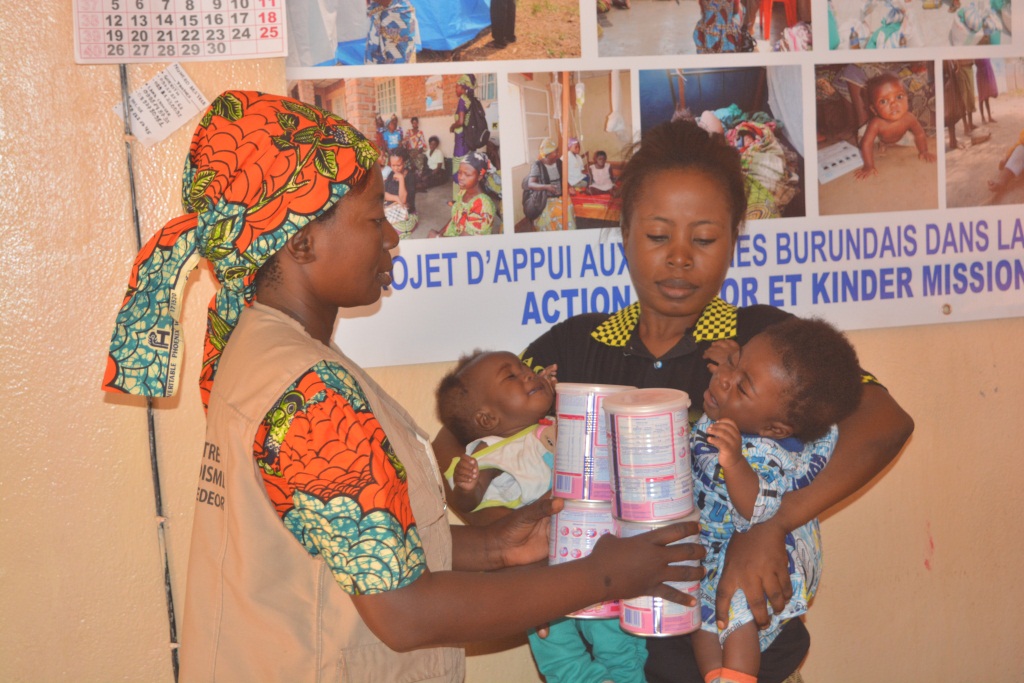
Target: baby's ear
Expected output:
[485,419]
[776,429]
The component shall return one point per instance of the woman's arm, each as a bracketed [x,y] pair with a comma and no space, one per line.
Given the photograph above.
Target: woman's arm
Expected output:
[441,608]
[536,181]
[756,560]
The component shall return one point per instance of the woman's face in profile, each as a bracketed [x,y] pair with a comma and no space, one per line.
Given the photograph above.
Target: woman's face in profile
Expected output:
[679,243]
[352,248]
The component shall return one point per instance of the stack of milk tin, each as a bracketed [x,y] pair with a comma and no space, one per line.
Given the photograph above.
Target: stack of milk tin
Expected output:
[622,464]
[652,486]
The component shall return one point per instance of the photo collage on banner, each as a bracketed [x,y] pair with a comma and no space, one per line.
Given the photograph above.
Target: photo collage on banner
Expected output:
[882,142]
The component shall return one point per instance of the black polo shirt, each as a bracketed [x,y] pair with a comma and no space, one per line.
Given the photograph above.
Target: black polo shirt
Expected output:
[597,348]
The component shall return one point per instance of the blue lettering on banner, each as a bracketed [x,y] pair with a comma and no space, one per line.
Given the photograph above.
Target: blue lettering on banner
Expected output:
[962,238]
[475,267]
[554,263]
[551,305]
[501,270]
[860,285]
[977,276]
[609,260]
[1015,238]
[779,286]
[425,271]
[845,244]
[745,244]
[740,292]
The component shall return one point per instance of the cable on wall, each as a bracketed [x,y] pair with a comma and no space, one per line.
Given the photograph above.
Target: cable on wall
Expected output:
[161,520]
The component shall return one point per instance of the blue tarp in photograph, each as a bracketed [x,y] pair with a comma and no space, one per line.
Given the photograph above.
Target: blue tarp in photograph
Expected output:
[443,24]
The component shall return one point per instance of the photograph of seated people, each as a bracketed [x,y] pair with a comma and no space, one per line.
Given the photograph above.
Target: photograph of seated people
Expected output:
[301,571]
[411,121]
[985,131]
[683,207]
[876,137]
[565,156]
[628,28]
[759,111]
[328,33]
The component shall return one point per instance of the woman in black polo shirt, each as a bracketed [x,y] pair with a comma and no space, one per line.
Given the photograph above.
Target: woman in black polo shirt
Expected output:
[683,204]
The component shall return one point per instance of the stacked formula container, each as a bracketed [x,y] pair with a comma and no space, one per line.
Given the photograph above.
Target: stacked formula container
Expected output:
[652,485]
[581,477]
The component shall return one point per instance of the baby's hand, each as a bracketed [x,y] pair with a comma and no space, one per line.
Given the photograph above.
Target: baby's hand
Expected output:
[467,471]
[720,351]
[1002,164]
[926,156]
[725,436]
[865,172]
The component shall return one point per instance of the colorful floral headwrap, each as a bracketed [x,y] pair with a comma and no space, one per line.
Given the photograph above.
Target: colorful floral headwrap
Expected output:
[466,81]
[260,168]
[547,146]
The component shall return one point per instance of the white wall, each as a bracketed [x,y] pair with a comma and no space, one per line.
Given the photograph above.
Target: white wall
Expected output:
[921,570]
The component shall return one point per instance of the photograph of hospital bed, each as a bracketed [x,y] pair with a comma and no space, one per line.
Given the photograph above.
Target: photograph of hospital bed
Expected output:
[760,112]
[588,107]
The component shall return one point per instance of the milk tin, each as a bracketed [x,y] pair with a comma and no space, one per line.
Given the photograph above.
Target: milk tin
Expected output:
[649,452]
[575,529]
[581,457]
[650,616]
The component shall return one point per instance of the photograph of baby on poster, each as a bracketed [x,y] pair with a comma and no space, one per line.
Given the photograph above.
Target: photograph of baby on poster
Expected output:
[350,32]
[758,109]
[985,127]
[441,174]
[627,28]
[876,137]
[871,24]
[566,154]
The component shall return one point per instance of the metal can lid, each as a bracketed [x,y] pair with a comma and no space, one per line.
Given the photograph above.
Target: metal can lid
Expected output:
[580,389]
[646,401]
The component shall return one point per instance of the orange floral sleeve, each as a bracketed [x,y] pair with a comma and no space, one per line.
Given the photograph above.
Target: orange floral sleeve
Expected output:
[336,483]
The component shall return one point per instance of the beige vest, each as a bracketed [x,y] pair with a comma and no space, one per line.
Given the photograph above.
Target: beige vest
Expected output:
[258,607]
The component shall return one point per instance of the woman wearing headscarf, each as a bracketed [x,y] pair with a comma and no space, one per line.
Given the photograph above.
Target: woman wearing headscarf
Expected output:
[464,92]
[320,544]
[546,176]
[474,209]
[393,32]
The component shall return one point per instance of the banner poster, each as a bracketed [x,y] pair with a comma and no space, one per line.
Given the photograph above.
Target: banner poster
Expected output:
[883,142]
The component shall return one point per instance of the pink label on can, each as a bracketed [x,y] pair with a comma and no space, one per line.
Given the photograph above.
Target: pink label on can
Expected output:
[581,460]
[651,474]
[574,532]
[650,616]
[602,610]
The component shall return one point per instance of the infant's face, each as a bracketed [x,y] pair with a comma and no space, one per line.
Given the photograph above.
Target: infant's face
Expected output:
[751,388]
[891,101]
[516,393]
